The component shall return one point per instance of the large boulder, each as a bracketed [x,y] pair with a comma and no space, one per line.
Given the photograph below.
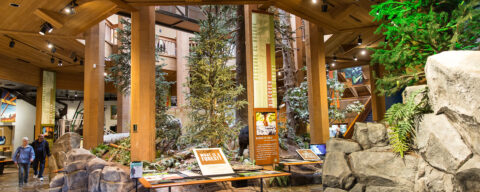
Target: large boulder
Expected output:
[468,176]
[452,78]
[429,179]
[94,164]
[115,178]
[77,180]
[334,190]
[370,135]
[384,169]
[94,180]
[411,90]
[440,144]
[373,188]
[342,145]
[336,172]
[358,188]
[67,142]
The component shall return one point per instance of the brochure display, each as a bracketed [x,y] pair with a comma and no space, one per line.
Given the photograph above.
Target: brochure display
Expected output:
[308,155]
[212,161]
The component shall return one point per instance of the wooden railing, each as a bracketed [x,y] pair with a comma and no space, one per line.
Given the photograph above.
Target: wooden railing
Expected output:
[359,118]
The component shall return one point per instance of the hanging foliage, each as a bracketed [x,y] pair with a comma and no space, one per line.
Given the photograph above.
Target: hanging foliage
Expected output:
[416,29]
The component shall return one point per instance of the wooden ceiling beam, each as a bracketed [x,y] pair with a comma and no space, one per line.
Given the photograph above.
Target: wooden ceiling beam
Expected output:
[36,34]
[57,20]
[356,29]
[352,8]
[123,5]
[191,2]
[339,66]
[265,6]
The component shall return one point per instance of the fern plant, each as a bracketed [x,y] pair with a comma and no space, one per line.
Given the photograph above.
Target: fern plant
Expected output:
[401,118]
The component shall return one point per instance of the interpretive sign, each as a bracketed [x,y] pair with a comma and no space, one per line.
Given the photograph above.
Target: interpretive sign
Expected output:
[264,71]
[136,170]
[308,155]
[212,161]
[8,104]
[48,98]
[266,137]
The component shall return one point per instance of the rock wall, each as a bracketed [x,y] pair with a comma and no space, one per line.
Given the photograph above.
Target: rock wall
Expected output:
[447,148]
[83,171]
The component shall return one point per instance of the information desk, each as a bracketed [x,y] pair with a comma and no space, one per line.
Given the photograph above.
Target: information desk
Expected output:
[3,163]
[299,162]
[210,179]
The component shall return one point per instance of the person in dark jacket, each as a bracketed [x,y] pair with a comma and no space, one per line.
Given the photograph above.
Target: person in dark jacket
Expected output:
[22,157]
[42,151]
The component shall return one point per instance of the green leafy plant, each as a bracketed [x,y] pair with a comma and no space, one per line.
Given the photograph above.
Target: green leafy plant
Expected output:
[212,96]
[417,29]
[401,119]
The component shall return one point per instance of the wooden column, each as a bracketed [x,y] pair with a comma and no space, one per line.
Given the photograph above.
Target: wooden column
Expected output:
[123,112]
[142,131]
[249,55]
[94,86]
[38,112]
[378,102]
[317,84]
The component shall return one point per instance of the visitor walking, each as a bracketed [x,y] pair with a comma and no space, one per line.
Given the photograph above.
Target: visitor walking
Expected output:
[42,151]
[22,157]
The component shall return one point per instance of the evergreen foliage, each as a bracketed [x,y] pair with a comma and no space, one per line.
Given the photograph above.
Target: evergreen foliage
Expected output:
[401,120]
[168,129]
[416,29]
[212,96]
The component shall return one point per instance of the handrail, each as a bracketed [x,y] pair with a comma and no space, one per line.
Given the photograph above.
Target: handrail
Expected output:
[360,116]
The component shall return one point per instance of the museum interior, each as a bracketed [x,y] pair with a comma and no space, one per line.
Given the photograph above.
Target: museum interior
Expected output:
[240,95]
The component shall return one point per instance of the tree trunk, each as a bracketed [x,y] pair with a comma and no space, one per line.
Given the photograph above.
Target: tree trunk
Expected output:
[241,63]
[290,79]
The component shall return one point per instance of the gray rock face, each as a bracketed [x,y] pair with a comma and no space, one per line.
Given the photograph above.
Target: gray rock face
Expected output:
[94,164]
[384,169]
[79,154]
[453,78]
[336,172]
[384,189]
[430,179]
[57,181]
[468,176]
[342,145]
[411,90]
[94,180]
[440,144]
[370,135]
[77,180]
[358,188]
[334,190]
[115,179]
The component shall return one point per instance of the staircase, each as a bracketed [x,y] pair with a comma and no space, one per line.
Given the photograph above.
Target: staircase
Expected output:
[361,117]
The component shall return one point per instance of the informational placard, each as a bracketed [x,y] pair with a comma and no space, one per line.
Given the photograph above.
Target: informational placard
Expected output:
[136,170]
[48,98]
[308,155]
[264,70]
[212,161]
[8,104]
[266,137]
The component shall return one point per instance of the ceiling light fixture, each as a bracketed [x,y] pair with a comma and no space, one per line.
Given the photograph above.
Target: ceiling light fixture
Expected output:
[11,44]
[75,59]
[52,60]
[54,49]
[14,5]
[49,45]
[81,62]
[364,52]
[333,64]
[314,1]
[70,8]
[324,6]
[105,74]
[76,94]
[360,40]
[334,58]
[355,58]
[60,63]
[45,28]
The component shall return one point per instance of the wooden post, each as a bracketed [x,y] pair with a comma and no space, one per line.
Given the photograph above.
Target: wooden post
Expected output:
[123,112]
[378,102]
[142,131]
[38,111]
[317,84]
[94,86]
[249,59]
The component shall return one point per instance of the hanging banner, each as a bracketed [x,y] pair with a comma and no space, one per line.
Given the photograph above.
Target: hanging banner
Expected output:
[264,70]
[264,90]
[48,98]
[8,104]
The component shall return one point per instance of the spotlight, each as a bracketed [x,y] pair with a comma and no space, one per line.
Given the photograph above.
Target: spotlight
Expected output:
[355,58]
[333,64]
[359,40]
[49,45]
[60,63]
[52,60]
[279,73]
[364,52]
[314,1]
[12,44]
[334,58]
[105,74]
[70,8]
[54,49]
[14,5]
[46,28]
[75,59]
[324,6]
[76,94]
[81,62]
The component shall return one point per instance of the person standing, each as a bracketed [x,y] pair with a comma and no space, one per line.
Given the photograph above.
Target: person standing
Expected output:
[22,157]
[42,151]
